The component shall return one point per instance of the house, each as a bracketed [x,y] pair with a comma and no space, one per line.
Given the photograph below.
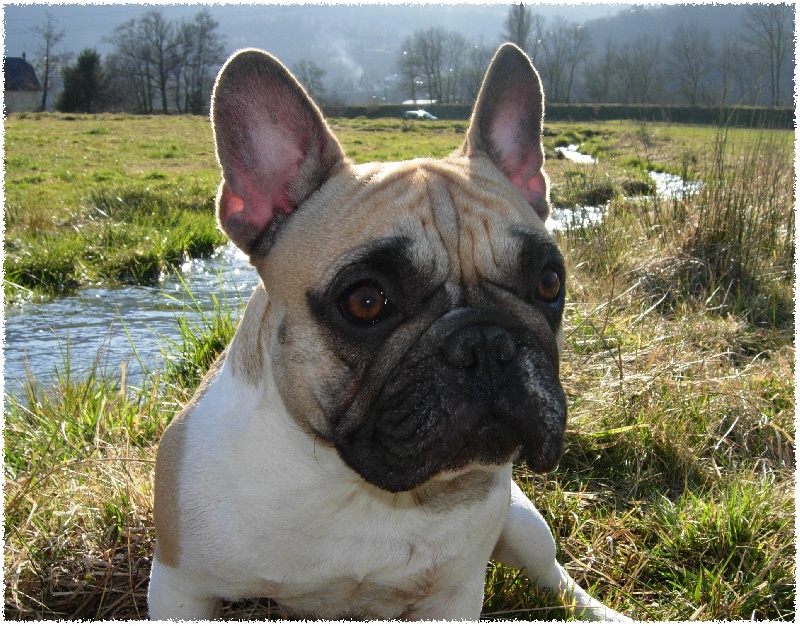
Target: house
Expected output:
[22,87]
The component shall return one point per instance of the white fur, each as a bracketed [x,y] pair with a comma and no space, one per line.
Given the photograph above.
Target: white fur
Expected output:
[268,511]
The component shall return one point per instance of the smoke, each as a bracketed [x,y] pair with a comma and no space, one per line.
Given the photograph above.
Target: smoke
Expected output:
[341,62]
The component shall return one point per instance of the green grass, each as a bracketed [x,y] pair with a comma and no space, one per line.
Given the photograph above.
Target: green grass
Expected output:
[104,198]
[116,198]
[674,499]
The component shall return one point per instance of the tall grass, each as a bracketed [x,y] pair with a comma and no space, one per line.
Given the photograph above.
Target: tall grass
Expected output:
[681,372]
[674,499]
[79,461]
[744,234]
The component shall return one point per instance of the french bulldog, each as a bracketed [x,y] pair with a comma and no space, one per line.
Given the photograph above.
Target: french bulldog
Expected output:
[350,454]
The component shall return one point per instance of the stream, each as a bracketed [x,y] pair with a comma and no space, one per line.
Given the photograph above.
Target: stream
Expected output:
[130,324]
[102,325]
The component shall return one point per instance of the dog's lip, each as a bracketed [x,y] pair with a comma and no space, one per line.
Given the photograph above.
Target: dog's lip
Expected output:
[451,477]
[450,473]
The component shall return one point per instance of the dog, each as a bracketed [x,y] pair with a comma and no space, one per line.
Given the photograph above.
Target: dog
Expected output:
[350,454]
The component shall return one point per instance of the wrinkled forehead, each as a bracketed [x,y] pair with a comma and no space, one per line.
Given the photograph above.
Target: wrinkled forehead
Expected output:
[457,219]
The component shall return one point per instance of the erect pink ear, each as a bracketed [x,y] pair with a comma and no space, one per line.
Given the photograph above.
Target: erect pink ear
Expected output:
[273,144]
[506,124]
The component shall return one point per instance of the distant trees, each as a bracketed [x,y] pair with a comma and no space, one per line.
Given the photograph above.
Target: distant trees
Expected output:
[689,59]
[160,65]
[435,59]
[202,52]
[685,66]
[639,71]
[600,74]
[478,59]
[518,26]
[83,84]
[311,76]
[769,34]
[409,73]
[566,47]
[46,59]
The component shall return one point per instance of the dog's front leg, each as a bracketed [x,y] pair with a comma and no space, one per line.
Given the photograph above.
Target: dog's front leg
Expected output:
[171,596]
[527,543]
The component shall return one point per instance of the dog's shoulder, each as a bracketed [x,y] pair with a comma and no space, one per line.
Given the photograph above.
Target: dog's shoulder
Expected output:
[218,398]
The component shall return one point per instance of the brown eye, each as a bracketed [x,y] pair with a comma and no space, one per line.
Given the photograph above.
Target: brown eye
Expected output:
[549,286]
[364,304]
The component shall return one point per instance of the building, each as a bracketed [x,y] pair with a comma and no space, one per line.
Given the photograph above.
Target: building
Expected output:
[22,87]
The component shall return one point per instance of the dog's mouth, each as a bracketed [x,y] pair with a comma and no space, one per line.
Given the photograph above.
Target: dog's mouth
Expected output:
[471,391]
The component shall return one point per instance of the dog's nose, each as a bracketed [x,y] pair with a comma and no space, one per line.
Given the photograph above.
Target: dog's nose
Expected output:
[479,345]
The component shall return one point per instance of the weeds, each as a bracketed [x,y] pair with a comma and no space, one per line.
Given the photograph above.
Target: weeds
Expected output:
[79,462]
[674,499]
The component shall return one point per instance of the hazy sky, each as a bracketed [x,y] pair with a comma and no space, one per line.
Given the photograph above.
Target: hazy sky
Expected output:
[86,25]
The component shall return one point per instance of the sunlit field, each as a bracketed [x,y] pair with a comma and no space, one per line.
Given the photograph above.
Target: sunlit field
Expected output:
[674,499]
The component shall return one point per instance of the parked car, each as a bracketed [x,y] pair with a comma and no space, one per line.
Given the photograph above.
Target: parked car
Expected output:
[419,115]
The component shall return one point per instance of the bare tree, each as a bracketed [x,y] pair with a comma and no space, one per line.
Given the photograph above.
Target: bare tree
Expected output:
[158,57]
[579,43]
[46,59]
[639,64]
[200,52]
[163,47]
[478,59]
[311,77]
[768,30]
[566,46]
[408,66]
[437,57]
[133,64]
[427,48]
[121,91]
[526,29]
[737,72]
[555,59]
[601,74]
[538,30]
[455,51]
[517,27]
[689,59]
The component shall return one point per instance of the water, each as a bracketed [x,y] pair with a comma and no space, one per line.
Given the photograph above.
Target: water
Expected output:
[672,186]
[571,152]
[576,217]
[667,186]
[95,323]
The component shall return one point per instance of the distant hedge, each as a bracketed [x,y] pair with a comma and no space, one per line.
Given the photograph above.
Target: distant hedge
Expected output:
[748,117]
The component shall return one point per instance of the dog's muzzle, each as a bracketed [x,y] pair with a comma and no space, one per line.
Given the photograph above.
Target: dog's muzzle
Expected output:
[476,387]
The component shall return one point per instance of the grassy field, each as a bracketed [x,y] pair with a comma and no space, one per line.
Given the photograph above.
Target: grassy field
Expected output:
[675,496]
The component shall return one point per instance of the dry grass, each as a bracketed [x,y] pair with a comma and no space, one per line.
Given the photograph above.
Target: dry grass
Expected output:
[675,496]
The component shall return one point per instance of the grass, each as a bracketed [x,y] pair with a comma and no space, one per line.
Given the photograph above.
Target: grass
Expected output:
[674,499]
[107,198]
[115,198]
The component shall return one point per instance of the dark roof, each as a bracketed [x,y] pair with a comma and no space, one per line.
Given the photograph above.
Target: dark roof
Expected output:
[19,75]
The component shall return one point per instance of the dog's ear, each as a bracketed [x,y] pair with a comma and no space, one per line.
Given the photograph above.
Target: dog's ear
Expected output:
[273,144]
[506,124]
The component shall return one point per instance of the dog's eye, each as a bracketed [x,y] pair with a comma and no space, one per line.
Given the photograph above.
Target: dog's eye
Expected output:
[549,286]
[364,304]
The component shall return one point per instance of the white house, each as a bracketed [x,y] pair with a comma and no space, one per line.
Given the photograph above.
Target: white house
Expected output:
[22,90]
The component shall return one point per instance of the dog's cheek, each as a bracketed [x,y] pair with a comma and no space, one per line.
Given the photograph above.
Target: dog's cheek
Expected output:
[308,376]
[542,418]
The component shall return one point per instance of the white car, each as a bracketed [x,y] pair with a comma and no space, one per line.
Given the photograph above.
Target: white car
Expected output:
[419,115]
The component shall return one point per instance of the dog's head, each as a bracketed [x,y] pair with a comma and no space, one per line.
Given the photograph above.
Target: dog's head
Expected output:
[416,307]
